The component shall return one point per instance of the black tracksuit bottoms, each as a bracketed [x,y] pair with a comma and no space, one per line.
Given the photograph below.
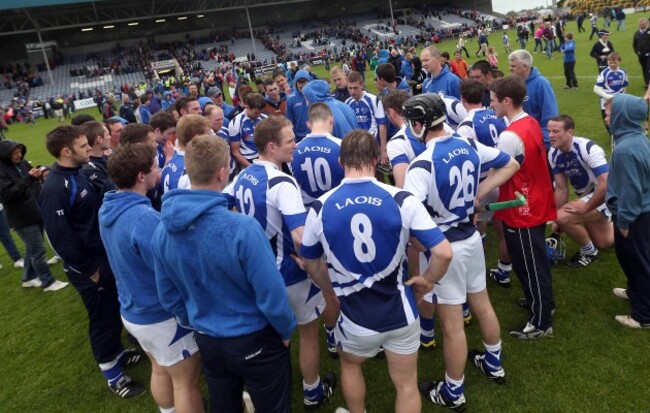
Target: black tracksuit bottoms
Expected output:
[633,253]
[527,249]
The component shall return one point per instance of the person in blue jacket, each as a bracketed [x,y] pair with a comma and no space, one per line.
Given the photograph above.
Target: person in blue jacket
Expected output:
[344,118]
[244,338]
[127,222]
[440,79]
[540,100]
[568,49]
[69,206]
[628,198]
[297,107]
[168,101]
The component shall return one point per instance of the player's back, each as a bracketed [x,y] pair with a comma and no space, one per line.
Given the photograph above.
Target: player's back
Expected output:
[316,167]
[365,236]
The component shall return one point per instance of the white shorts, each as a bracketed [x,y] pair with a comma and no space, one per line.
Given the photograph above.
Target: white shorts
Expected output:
[306,300]
[466,273]
[405,340]
[602,208]
[160,340]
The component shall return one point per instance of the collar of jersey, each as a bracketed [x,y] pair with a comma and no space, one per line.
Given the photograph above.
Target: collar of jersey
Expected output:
[264,163]
[358,180]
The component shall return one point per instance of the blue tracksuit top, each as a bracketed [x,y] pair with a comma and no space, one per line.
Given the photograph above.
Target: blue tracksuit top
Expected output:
[126,224]
[344,117]
[540,101]
[445,82]
[215,270]
[297,108]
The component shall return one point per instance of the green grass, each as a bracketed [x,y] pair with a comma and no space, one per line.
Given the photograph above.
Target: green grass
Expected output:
[591,365]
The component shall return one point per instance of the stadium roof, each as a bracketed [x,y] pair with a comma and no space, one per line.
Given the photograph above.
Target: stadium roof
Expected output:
[48,15]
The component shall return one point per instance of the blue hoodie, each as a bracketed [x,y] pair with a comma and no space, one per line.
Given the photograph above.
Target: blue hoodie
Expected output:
[540,101]
[407,70]
[444,82]
[628,183]
[126,224]
[215,270]
[297,108]
[166,103]
[344,118]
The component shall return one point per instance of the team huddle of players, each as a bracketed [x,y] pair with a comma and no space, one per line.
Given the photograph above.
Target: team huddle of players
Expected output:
[342,243]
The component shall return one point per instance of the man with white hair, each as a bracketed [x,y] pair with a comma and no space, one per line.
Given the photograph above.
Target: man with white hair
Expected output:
[540,100]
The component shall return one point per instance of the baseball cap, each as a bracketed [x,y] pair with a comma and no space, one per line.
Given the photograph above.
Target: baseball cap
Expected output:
[214,91]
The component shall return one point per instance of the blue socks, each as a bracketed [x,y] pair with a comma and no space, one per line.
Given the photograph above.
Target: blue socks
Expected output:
[427,329]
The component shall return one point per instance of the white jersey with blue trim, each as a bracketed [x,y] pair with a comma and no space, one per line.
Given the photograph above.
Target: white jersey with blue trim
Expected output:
[446,176]
[223,134]
[363,227]
[404,147]
[242,129]
[612,82]
[272,197]
[582,165]
[482,125]
[315,165]
[173,171]
[369,112]
[456,112]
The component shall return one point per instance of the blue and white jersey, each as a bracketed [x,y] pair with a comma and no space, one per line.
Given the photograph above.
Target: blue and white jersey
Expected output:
[173,171]
[241,129]
[504,39]
[273,199]
[223,134]
[482,125]
[456,112]
[315,165]
[161,155]
[363,227]
[404,147]
[612,81]
[369,112]
[446,176]
[582,165]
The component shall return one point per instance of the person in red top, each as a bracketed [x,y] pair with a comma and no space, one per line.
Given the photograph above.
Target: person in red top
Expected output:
[524,226]
[459,66]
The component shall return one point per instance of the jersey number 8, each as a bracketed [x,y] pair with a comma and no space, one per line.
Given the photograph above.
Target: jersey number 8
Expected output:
[364,247]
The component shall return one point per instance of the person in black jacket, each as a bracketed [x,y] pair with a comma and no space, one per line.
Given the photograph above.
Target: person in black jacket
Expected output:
[19,189]
[601,49]
[641,45]
[69,206]
[127,110]
[96,170]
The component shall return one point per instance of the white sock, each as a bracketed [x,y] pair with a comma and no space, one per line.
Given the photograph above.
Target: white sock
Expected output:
[170,410]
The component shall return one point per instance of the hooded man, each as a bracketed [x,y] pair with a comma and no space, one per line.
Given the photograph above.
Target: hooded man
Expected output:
[344,118]
[20,185]
[628,199]
[297,108]
[168,100]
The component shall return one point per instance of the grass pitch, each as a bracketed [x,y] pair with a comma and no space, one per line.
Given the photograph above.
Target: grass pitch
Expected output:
[591,365]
